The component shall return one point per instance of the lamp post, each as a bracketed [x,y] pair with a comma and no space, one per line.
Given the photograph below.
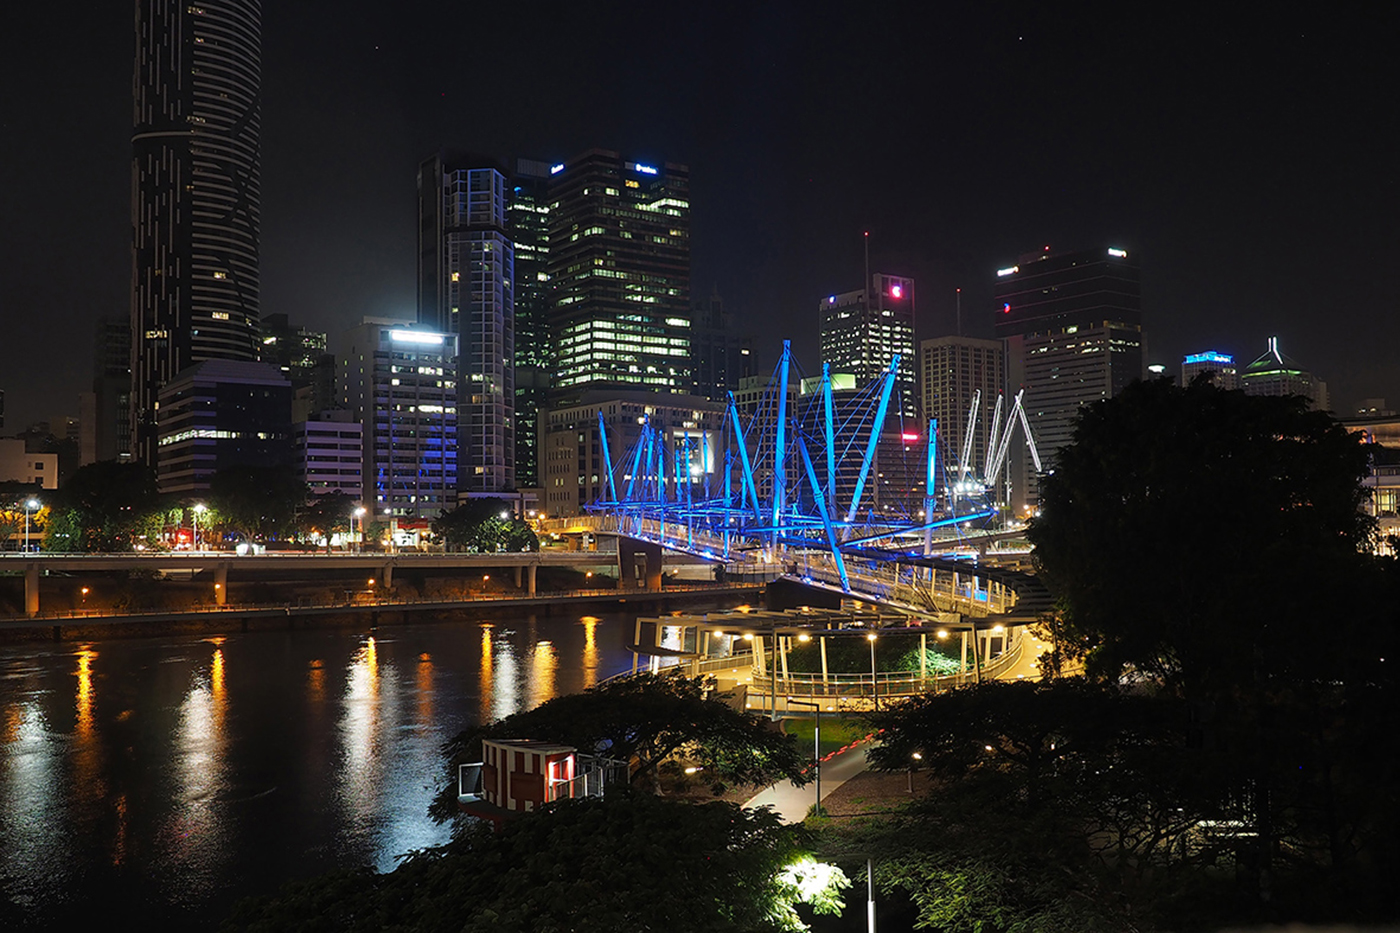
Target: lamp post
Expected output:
[816,746]
[874,677]
[194,537]
[360,528]
[393,531]
[29,504]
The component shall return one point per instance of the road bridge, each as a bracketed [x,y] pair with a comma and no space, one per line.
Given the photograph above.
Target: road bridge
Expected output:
[380,566]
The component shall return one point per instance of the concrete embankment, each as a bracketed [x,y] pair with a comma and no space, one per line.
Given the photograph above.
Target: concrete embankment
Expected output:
[256,618]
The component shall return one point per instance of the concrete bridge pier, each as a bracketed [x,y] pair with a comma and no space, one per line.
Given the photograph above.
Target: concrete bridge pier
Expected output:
[31,589]
[519,576]
[628,550]
[386,576]
[530,577]
[221,584]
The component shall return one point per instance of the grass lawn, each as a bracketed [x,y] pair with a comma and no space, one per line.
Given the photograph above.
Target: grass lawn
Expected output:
[835,732]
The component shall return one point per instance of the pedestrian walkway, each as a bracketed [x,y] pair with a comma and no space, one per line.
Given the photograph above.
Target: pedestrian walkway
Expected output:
[792,802]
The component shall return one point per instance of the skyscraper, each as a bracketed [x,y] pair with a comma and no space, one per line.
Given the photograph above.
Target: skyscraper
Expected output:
[1218,368]
[1276,374]
[110,428]
[396,380]
[1072,323]
[861,336]
[953,369]
[619,268]
[527,221]
[194,195]
[466,287]
[719,356]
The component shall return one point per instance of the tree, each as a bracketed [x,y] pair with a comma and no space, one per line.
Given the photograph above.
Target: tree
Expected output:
[107,506]
[1194,534]
[1215,544]
[484,526]
[645,718]
[327,514]
[257,502]
[621,862]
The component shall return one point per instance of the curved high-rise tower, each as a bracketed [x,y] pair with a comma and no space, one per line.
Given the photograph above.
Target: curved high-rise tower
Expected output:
[194,178]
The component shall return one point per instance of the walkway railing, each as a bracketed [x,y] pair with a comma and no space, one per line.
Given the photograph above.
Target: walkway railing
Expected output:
[904,586]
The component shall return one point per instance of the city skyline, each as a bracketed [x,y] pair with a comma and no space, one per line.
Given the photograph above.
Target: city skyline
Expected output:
[1241,162]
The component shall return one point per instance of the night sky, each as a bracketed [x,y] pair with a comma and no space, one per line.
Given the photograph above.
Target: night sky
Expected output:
[1249,162]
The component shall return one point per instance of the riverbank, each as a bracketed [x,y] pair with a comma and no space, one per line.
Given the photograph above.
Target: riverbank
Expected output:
[370,615]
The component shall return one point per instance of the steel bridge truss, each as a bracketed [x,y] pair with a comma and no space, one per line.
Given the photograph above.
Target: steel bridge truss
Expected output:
[797,475]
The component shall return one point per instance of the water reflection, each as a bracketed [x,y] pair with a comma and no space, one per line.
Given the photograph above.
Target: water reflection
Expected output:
[195,829]
[505,690]
[87,753]
[316,682]
[546,664]
[484,680]
[358,728]
[30,817]
[425,691]
[590,650]
[166,777]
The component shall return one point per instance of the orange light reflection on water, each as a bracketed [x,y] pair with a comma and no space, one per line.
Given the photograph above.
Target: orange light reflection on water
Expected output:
[425,691]
[590,650]
[544,668]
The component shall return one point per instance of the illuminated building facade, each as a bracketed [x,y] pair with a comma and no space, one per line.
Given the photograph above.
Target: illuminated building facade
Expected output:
[860,337]
[572,458]
[220,414]
[398,382]
[1275,374]
[953,369]
[1072,324]
[1218,368]
[527,221]
[195,191]
[329,453]
[466,287]
[619,269]
[294,350]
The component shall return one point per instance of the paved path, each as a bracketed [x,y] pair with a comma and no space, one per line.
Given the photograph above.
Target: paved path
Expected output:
[792,802]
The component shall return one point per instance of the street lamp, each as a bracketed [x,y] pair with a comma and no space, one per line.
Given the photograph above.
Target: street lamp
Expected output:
[194,538]
[29,504]
[360,525]
[816,746]
[874,677]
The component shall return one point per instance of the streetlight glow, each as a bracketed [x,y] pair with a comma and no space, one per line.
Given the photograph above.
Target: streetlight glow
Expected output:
[29,505]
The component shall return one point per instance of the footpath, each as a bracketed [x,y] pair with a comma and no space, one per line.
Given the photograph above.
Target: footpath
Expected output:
[792,803]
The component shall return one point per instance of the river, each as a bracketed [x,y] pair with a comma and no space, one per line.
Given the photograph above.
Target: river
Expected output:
[161,779]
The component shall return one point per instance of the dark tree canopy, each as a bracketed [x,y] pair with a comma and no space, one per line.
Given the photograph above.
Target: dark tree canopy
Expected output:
[329,513]
[485,526]
[1070,804]
[257,502]
[106,506]
[645,719]
[628,862]
[1195,534]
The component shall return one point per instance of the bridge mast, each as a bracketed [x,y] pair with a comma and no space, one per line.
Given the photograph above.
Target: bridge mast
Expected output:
[780,446]
[875,429]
